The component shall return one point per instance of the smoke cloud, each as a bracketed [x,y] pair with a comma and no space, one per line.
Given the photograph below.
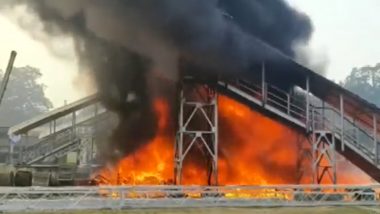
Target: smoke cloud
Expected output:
[131,46]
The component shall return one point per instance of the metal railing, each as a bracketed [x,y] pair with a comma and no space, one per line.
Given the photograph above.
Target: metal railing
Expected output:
[46,147]
[122,197]
[58,143]
[292,106]
[58,132]
[326,117]
[354,135]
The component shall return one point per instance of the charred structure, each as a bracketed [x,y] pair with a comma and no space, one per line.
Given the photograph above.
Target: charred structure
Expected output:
[140,51]
[125,42]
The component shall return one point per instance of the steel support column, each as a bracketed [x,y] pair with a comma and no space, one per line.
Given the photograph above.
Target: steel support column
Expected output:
[308,125]
[342,121]
[263,84]
[197,128]
[375,139]
[324,157]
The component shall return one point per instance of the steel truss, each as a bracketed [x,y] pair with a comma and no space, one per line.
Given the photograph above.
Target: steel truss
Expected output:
[198,127]
[323,157]
[123,197]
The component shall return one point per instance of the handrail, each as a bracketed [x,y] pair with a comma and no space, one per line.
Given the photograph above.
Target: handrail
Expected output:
[50,142]
[354,134]
[284,102]
[57,113]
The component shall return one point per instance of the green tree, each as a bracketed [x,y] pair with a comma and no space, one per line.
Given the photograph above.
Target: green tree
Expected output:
[365,82]
[24,97]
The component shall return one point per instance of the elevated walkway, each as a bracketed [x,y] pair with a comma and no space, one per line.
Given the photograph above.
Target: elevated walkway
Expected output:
[317,119]
[331,127]
[53,135]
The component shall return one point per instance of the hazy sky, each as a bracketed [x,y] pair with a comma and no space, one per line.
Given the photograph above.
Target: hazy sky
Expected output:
[347,34]
[347,31]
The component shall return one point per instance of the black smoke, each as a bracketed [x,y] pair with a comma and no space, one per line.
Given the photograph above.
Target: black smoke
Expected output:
[273,21]
[123,42]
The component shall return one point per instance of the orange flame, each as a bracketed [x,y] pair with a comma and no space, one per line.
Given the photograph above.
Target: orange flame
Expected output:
[254,149]
[151,164]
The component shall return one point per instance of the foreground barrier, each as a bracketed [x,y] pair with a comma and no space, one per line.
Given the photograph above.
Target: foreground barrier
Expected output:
[124,197]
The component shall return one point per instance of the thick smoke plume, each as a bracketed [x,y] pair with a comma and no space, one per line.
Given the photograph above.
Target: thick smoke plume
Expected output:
[132,45]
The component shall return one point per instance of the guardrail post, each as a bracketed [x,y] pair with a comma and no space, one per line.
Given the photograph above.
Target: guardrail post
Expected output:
[263,85]
[288,104]
[93,138]
[307,104]
[179,141]
[323,115]
[11,152]
[375,138]
[24,140]
[342,121]
[73,127]
[50,128]
[356,136]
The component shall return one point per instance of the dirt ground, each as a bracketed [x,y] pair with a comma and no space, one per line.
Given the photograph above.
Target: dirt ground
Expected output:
[327,210]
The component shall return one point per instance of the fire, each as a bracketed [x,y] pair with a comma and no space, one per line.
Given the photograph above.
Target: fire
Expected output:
[151,164]
[253,150]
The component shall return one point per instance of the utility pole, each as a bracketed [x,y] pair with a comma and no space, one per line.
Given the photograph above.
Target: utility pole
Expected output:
[8,71]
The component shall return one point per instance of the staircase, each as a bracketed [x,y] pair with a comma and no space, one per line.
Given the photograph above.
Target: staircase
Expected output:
[323,123]
[58,132]
[51,146]
[355,142]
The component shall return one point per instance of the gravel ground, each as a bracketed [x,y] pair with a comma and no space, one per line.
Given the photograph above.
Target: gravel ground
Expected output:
[324,210]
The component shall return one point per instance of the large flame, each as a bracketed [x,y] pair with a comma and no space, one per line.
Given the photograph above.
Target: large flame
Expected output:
[151,164]
[253,150]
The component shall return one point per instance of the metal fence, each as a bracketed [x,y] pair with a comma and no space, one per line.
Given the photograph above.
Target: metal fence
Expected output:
[124,197]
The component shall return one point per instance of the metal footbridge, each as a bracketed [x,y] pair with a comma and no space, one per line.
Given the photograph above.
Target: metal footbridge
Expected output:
[329,129]
[53,135]
[329,125]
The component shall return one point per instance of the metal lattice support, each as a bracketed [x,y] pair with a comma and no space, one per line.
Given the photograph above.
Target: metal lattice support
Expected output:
[304,159]
[324,157]
[198,127]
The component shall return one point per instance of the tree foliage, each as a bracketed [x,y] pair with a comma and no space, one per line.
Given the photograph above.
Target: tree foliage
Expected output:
[365,82]
[24,97]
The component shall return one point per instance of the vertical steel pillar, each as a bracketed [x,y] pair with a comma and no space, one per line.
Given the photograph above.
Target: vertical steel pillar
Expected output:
[375,138]
[24,141]
[93,135]
[215,129]
[178,146]
[308,104]
[50,128]
[263,84]
[323,152]
[342,121]
[73,126]
[323,115]
[324,157]
[198,102]
[11,152]
[288,104]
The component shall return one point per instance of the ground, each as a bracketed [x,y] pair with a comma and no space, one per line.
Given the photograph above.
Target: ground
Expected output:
[324,210]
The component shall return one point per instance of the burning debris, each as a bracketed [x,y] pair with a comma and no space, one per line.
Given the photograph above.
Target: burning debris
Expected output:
[133,49]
